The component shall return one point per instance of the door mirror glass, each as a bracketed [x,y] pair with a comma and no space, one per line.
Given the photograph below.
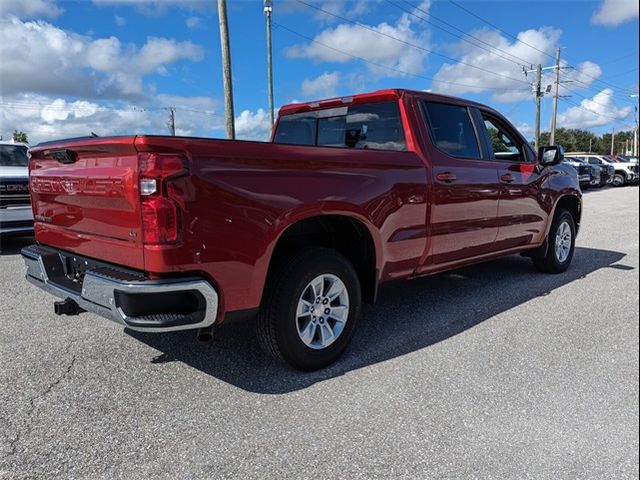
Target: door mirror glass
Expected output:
[550,155]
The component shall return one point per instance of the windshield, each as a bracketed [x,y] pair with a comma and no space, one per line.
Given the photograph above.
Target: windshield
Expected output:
[13,156]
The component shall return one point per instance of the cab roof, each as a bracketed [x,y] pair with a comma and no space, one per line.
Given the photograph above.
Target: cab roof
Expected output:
[376,96]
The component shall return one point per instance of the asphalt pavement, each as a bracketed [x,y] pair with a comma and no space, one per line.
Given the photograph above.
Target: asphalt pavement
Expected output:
[492,371]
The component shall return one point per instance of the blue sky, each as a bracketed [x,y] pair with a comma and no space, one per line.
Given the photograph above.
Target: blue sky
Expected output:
[115,66]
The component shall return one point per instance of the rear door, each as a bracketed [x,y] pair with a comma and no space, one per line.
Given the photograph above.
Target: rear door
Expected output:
[521,216]
[465,188]
[86,198]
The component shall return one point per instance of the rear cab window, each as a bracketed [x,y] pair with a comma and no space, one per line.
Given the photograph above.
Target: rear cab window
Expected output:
[375,126]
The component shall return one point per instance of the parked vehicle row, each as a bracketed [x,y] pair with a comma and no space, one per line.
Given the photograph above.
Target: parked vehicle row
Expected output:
[606,169]
[16,217]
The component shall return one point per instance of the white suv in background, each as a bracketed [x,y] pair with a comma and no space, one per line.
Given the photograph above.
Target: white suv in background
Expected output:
[16,217]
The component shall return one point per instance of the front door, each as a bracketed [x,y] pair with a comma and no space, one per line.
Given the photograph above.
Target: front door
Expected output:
[465,188]
[521,216]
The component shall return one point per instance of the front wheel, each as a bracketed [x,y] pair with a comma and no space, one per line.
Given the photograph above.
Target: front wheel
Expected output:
[618,180]
[310,309]
[561,244]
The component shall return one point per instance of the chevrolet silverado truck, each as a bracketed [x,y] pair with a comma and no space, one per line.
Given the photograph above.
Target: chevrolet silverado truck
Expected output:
[169,233]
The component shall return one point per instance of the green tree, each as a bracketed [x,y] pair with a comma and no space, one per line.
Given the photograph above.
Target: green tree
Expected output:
[578,140]
[19,136]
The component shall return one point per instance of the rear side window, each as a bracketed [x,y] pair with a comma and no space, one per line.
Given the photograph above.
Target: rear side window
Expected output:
[452,130]
[375,126]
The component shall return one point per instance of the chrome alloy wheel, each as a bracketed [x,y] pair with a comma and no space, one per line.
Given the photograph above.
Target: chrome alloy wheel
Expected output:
[563,242]
[323,309]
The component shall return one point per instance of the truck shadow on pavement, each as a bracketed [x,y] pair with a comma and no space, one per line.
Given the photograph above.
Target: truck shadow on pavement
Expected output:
[409,315]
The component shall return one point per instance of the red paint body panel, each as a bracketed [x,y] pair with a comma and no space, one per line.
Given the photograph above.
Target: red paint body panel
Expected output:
[238,198]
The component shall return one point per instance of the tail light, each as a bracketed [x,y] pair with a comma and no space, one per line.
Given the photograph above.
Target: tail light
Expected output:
[161,198]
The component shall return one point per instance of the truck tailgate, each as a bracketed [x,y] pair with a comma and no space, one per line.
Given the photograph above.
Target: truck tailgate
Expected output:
[85,198]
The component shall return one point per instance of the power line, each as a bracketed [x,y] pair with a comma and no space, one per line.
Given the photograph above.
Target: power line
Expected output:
[595,79]
[417,8]
[387,67]
[499,29]
[366,27]
[581,107]
[99,108]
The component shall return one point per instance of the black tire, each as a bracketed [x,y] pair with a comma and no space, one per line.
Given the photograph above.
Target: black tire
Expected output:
[277,324]
[549,261]
[618,180]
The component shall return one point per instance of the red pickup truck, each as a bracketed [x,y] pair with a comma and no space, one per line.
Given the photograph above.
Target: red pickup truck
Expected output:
[168,233]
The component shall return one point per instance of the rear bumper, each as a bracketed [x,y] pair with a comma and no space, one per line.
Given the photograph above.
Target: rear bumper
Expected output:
[126,298]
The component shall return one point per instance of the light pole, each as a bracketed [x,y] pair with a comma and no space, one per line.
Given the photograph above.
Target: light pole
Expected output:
[268,10]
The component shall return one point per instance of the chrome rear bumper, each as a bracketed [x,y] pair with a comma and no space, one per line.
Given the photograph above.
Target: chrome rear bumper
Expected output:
[110,293]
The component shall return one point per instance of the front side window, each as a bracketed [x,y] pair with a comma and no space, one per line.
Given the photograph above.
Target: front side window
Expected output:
[375,126]
[452,130]
[505,146]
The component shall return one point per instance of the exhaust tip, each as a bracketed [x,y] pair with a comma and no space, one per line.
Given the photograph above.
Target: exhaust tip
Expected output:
[205,335]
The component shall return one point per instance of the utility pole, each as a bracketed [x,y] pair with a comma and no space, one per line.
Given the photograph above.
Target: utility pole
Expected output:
[171,123]
[635,135]
[537,89]
[268,10]
[538,97]
[226,69]
[555,99]
[613,136]
[590,140]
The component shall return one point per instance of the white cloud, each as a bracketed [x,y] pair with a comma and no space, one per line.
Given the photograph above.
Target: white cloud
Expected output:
[30,8]
[615,12]
[344,8]
[596,112]
[155,7]
[503,77]
[193,22]
[323,86]
[253,126]
[80,65]
[373,44]
[525,129]
[47,118]
[120,21]
[462,77]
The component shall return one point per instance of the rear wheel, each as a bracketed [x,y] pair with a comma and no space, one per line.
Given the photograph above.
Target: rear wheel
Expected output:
[310,309]
[561,244]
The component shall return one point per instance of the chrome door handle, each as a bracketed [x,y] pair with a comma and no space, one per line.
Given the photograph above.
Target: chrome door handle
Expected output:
[507,178]
[447,177]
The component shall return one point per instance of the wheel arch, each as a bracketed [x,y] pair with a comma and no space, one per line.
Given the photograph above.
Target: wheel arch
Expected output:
[349,235]
[570,201]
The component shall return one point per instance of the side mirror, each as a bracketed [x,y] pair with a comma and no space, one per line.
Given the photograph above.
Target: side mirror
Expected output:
[550,155]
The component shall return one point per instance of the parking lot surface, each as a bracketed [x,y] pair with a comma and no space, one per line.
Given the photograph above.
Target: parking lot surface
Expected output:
[492,371]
